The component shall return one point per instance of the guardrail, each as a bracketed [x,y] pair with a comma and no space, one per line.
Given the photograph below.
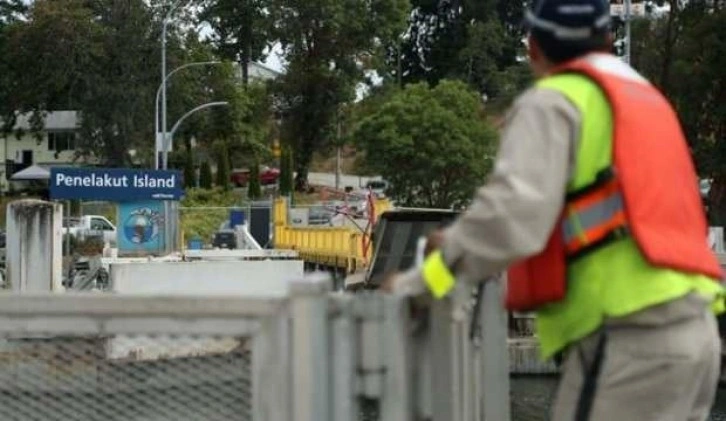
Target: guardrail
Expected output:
[312,356]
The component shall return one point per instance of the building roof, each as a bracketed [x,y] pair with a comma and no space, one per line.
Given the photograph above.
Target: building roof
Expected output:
[258,71]
[54,120]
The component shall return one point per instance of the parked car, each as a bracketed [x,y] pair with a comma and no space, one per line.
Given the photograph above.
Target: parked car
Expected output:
[241,177]
[378,187]
[90,226]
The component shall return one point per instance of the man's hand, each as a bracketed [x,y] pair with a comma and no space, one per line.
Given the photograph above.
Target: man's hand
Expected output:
[434,241]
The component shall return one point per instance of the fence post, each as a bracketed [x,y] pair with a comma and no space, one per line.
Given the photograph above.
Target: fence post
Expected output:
[34,249]
[343,354]
[397,399]
[271,361]
[495,364]
[445,379]
[310,346]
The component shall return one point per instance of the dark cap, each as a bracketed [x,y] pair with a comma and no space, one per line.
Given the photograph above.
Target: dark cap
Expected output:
[569,20]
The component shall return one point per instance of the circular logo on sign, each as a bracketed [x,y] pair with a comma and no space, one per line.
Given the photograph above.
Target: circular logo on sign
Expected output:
[142,226]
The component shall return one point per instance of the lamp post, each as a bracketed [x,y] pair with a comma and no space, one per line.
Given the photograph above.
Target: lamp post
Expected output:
[171,225]
[162,87]
[179,122]
[165,22]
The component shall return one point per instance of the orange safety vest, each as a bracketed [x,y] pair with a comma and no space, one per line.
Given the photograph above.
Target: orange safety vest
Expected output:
[650,194]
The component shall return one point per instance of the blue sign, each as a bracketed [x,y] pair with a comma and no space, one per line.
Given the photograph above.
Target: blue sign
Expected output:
[141,227]
[115,184]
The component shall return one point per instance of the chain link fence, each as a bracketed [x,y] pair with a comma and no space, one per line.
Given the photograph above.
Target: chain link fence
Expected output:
[204,221]
[88,357]
[127,377]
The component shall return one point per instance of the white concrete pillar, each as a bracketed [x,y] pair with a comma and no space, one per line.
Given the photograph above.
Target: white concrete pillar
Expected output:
[34,246]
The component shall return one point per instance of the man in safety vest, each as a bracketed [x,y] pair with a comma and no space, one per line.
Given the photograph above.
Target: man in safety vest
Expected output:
[593,205]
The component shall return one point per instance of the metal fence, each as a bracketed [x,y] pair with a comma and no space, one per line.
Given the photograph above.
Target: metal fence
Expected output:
[312,356]
[202,222]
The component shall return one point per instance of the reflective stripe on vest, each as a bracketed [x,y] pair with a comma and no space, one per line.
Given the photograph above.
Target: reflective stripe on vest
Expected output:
[592,218]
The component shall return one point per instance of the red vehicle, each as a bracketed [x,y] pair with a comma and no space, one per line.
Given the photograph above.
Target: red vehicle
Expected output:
[268,175]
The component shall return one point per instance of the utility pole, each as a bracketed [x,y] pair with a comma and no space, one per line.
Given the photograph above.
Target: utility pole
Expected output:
[628,16]
[337,154]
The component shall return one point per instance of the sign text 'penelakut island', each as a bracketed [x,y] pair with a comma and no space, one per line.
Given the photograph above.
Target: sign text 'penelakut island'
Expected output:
[115,184]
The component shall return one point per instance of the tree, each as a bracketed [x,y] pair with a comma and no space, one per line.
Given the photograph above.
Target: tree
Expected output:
[684,54]
[99,53]
[327,44]
[254,191]
[10,13]
[286,165]
[105,65]
[190,178]
[432,145]
[476,41]
[241,30]
[222,166]
[205,176]
[62,32]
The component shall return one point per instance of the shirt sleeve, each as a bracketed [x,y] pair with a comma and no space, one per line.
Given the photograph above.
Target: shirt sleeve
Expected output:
[512,216]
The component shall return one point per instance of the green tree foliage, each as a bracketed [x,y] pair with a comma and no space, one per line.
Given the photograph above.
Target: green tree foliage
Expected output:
[327,44]
[102,58]
[476,41]
[286,166]
[205,175]
[190,179]
[223,171]
[62,32]
[10,12]
[241,30]
[684,54]
[254,190]
[432,145]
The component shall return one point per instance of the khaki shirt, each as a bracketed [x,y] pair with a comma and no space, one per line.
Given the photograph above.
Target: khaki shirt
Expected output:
[512,216]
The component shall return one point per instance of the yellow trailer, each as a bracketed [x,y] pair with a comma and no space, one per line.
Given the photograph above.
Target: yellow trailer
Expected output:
[345,249]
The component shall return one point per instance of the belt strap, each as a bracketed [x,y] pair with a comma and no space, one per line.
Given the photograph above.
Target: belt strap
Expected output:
[590,377]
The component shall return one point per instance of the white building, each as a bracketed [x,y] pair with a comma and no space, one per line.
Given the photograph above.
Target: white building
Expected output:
[55,145]
[257,71]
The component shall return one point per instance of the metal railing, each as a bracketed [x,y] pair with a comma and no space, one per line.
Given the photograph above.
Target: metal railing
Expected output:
[311,356]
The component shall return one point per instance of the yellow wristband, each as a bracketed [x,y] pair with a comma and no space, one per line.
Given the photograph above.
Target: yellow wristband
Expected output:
[437,275]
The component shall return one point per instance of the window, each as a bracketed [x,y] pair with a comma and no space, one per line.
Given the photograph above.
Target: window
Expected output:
[100,225]
[61,141]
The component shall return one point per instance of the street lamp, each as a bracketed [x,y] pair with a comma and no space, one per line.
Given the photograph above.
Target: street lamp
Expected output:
[165,22]
[179,122]
[156,103]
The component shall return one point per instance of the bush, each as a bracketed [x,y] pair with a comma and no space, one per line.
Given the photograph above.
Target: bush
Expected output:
[254,191]
[286,167]
[189,175]
[204,210]
[205,176]
[223,168]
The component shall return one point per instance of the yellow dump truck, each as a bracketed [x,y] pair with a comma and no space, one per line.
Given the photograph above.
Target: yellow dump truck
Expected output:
[345,249]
